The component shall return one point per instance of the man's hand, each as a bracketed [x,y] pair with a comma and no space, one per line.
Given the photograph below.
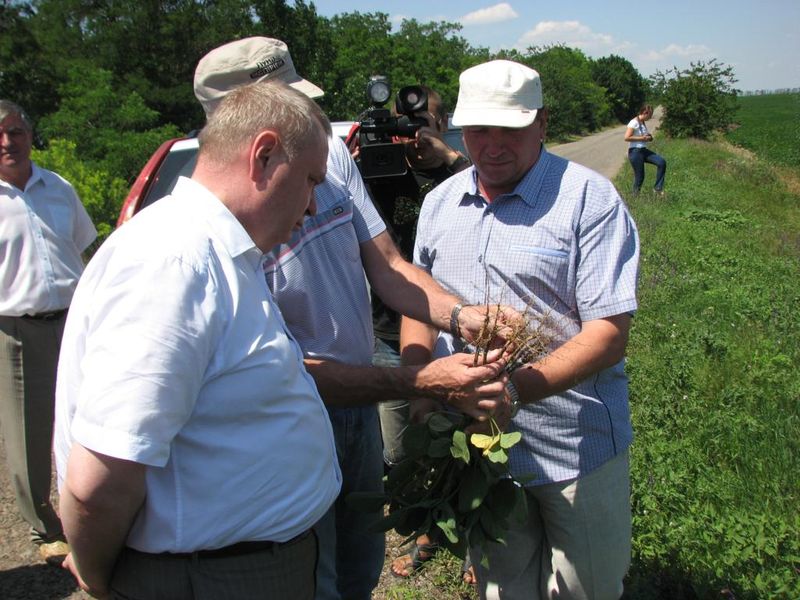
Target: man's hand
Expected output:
[499,322]
[429,147]
[501,415]
[475,391]
[69,565]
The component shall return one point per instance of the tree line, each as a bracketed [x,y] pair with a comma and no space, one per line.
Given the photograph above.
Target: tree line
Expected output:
[106,81]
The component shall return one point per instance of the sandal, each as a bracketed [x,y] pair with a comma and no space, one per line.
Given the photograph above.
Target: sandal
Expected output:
[468,572]
[405,565]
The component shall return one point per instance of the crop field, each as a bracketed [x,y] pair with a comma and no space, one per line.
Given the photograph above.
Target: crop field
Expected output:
[715,390]
[769,125]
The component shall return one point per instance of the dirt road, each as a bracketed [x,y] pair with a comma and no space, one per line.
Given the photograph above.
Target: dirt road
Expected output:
[24,577]
[605,152]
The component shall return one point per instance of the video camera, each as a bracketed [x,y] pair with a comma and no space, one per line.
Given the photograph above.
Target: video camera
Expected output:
[379,156]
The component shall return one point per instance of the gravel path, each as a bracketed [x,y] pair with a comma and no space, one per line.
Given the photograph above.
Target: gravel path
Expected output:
[23,576]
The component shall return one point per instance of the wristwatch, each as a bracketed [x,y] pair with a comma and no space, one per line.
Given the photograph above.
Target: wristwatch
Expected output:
[458,164]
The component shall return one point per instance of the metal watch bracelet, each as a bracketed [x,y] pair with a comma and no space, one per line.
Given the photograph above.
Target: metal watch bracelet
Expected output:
[455,329]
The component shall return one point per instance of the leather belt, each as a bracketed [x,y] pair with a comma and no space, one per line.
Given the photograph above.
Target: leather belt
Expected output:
[238,549]
[47,316]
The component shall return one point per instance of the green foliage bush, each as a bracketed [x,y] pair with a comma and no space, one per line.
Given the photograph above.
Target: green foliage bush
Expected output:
[697,101]
[576,104]
[113,131]
[625,88]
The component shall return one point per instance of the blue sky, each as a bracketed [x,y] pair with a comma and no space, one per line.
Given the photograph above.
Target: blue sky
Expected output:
[760,39]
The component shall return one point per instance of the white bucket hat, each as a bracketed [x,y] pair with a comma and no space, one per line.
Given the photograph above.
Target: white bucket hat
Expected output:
[243,62]
[499,93]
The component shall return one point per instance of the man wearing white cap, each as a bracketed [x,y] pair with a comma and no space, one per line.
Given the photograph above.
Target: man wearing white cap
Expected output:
[548,234]
[317,278]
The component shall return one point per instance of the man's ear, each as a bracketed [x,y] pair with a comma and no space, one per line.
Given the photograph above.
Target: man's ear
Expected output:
[264,148]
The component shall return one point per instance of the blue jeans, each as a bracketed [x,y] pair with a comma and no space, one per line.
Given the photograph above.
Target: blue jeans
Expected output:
[639,156]
[393,413]
[350,555]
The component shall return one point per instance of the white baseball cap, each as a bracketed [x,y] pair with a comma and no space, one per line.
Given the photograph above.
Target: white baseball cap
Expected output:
[499,93]
[242,62]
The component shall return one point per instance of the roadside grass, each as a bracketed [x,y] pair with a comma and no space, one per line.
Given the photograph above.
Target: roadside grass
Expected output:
[713,361]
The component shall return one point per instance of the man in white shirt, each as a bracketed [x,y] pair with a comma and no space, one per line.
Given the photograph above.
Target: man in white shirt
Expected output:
[193,450]
[44,229]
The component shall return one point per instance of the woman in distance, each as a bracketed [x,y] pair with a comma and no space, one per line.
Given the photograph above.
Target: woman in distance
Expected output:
[638,153]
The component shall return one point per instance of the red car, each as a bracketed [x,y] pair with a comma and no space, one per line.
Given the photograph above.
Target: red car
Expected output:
[177,157]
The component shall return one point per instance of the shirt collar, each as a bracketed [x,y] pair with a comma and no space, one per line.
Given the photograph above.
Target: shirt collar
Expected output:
[36,175]
[221,221]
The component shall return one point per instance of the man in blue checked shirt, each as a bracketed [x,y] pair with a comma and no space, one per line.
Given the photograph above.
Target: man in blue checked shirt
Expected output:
[530,229]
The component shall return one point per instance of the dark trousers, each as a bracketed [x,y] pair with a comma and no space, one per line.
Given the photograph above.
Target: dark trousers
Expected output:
[639,156]
[29,350]
[284,571]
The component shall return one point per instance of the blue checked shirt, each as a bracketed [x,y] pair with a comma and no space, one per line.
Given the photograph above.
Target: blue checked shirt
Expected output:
[563,244]
[317,278]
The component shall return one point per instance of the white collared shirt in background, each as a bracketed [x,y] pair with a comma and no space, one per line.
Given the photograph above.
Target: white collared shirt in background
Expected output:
[43,230]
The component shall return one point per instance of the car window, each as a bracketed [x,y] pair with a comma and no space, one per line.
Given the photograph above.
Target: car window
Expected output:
[179,162]
[453,139]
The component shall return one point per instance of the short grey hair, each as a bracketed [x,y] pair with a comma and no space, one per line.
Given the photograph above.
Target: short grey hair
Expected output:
[11,108]
[250,109]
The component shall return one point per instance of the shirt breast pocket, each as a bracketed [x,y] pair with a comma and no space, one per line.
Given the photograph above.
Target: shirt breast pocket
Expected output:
[59,220]
[544,271]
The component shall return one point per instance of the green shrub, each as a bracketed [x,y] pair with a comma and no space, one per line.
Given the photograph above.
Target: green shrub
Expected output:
[697,101]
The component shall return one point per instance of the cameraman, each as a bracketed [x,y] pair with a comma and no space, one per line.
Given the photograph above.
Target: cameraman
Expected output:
[398,199]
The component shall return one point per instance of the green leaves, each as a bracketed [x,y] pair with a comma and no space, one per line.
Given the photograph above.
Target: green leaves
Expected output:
[459,448]
[494,446]
[462,489]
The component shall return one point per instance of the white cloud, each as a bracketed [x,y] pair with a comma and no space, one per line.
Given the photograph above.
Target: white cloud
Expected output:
[691,52]
[492,14]
[573,34]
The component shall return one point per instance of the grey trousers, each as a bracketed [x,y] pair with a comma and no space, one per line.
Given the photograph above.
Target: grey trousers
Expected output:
[28,360]
[283,572]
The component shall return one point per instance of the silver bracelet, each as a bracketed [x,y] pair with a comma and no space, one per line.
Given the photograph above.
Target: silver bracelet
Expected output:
[455,330]
[513,393]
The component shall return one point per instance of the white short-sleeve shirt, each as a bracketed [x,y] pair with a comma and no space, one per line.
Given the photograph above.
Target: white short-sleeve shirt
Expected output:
[43,230]
[175,356]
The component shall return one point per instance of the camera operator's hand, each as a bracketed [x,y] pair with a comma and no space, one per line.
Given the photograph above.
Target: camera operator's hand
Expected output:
[430,147]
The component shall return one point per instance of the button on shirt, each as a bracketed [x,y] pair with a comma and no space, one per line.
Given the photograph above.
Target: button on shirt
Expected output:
[563,244]
[317,277]
[175,356]
[43,230]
